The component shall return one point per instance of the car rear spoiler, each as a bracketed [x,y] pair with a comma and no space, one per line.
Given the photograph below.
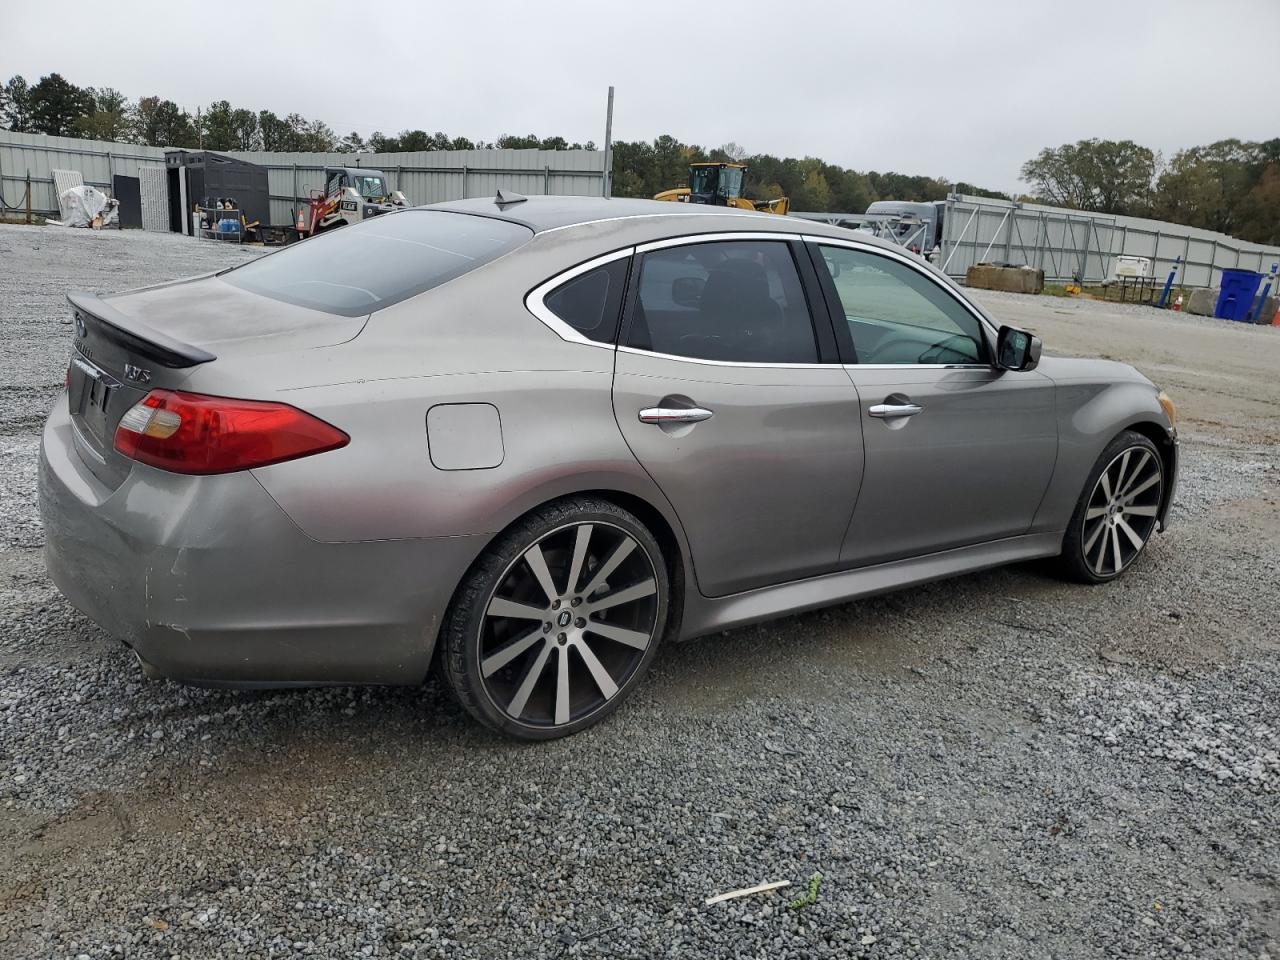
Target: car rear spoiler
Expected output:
[136,336]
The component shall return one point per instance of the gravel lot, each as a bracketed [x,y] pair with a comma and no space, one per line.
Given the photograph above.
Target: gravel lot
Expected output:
[1001,765]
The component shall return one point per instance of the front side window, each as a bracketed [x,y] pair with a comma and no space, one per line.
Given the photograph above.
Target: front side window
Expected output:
[591,301]
[896,314]
[737,301]
[730,182]
[702,182]
[371,188]
[371,265]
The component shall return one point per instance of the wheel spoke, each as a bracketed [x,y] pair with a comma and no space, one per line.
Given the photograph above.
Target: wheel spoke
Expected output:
[562,686]
[1120,474]
[1093,537]
[500,607]
[1137,472]
[620,554]
[1144,485]
[643,589]
[494,662]
[521,699]
[1115,546]
[579,556]
[1106,484]
[598,672]
[1130,533]
[1093,513]
[632,638]
[538,564]
[1102,551]
[1140,511]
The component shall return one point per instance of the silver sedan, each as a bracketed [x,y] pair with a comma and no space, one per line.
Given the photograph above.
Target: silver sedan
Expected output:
[529,439]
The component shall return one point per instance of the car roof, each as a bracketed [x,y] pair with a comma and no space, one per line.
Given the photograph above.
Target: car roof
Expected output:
[542,213]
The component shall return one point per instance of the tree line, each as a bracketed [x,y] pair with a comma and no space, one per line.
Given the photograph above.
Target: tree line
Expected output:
[1231,186]
[641,168]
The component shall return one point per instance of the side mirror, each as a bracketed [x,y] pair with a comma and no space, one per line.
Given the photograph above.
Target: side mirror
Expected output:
[687,291]
[1017,349]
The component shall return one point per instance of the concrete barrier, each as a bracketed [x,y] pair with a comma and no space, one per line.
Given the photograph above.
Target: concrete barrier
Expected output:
[1201,302]
[991,276]
[1268,312]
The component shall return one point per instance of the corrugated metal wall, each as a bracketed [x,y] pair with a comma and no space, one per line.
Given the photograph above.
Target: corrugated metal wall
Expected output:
[426,177]
[1069,243]
[39,155]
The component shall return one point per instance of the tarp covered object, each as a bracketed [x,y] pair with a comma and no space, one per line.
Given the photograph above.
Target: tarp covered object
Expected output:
[79,206]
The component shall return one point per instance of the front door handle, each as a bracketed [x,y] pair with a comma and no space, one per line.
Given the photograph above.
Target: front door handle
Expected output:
[892,411]
[661,415]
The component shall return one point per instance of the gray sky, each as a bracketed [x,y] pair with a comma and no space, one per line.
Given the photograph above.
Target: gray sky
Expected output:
[964,89]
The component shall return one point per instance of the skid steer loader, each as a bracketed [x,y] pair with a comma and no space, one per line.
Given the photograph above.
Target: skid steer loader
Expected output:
[350,195]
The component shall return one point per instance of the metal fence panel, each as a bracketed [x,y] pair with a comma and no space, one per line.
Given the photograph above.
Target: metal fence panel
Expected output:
[153,184]
[424,177]
[1072,243]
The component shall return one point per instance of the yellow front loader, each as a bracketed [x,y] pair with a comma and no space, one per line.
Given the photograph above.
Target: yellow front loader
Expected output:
[720,184]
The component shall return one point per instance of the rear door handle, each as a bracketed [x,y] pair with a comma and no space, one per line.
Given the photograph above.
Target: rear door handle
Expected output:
[891,411]
[660,415]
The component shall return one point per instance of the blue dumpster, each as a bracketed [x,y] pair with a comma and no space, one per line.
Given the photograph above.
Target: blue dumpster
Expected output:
[1239,289]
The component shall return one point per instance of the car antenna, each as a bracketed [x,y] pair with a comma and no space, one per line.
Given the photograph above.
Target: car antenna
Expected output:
[502,199]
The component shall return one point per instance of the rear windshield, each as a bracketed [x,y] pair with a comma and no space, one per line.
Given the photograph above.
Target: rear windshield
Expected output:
[357,269]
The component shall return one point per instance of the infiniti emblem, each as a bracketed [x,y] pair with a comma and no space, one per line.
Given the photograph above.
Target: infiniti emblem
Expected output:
[81,330]
[564,618]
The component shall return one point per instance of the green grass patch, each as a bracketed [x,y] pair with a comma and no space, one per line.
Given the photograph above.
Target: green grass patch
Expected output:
[810,898]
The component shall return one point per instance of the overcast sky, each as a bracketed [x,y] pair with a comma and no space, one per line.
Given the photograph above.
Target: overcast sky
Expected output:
[963,89]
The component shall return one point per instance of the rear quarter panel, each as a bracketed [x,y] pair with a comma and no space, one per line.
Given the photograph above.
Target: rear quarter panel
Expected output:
[468,341]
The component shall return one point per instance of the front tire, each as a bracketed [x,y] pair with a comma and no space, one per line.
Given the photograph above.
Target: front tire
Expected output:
[1117,512]
[556,623]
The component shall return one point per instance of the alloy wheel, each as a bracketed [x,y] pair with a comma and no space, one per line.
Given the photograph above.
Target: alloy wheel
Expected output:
[568,624]
[1122,511]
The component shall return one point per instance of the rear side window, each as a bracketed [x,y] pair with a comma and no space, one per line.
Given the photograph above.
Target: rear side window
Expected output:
[736,301]
[361,268]
[592,301]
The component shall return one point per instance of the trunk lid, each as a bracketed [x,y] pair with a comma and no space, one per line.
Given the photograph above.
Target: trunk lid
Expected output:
[126,345]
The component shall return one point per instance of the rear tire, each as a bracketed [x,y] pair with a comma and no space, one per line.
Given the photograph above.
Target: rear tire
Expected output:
[556,623]
[1117,512]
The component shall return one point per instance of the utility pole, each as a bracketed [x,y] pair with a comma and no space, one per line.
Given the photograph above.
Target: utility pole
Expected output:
[608,148]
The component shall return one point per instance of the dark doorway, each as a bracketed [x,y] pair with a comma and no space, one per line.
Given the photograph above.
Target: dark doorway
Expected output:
[128,193]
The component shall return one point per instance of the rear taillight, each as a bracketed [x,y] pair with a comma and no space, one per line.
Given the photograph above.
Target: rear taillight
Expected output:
[192,433]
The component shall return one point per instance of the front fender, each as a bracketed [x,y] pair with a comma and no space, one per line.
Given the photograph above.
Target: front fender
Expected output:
[1090,414]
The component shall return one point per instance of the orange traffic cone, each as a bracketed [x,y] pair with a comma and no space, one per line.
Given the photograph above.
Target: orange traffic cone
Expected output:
[1177,304]
[302,225]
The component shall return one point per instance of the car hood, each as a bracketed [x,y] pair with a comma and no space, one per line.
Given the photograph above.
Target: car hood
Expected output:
[1076,369]
[208,312]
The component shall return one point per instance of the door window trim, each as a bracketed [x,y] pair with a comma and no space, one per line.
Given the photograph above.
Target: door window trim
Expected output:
[815,300]
[837,310]
[534,299]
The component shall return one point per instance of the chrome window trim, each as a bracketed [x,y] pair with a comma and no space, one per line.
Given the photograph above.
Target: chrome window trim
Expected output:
[533,300]
[778,236]
[852,367]
[727,363]
[914,264]
[720,212]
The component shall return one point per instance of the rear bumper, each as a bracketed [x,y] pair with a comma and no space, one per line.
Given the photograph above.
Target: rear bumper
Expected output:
[209,581]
